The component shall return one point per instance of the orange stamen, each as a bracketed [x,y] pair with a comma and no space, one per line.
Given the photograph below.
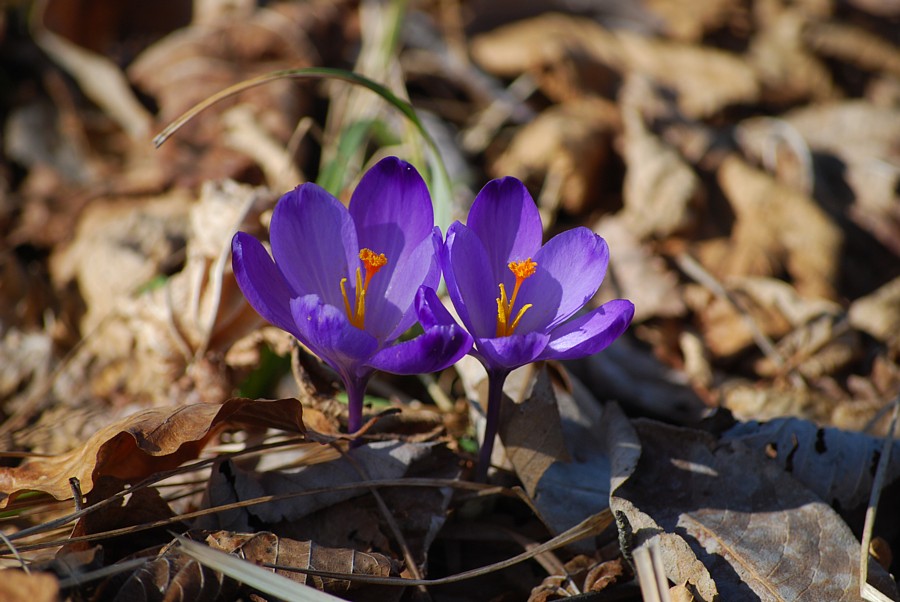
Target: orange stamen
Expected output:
[373,262]
[521,270]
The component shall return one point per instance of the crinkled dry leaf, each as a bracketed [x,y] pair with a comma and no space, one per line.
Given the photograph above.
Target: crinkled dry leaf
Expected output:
[820,347]
[788,71]
[705,79]
[120,246]
[751,401]
[198,61]
[567,145]
[640,275]
[853,45]
[19,586]
[774,307]
[878,314]
[268,548]
[736,525]
[154,344]
[145,443]
[661,191]
[779,228]
[688,21]
[172,575]
[862,136]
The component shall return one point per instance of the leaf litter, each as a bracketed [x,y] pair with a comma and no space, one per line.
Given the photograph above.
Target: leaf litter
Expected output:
[741,161]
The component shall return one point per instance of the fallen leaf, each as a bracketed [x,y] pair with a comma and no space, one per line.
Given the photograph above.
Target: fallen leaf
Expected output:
[568,147]
[639,275]
[268,548]
[779,228]
[557,440]
[878,314]
[143,444]
[704,79]
[19,586]
[735,525]
[661,191]
[838,466]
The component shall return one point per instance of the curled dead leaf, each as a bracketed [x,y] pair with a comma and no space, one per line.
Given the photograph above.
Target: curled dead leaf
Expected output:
[145,443]
[268,548]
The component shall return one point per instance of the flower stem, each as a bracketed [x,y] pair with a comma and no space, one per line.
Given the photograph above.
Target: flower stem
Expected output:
[494,401]
[356,392]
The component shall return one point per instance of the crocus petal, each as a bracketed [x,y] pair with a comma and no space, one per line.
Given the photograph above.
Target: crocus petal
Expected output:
[433,350]
[507,221]
[392,210]
[570,268]
[261,282]
[430,311]
[327,332]
[470,284]
[389,302]
[512,351]
[314,243]
[590,333]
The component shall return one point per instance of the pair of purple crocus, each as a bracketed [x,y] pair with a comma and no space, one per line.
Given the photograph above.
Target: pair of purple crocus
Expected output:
[349,282]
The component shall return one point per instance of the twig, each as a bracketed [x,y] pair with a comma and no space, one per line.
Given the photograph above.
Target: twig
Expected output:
[867,591]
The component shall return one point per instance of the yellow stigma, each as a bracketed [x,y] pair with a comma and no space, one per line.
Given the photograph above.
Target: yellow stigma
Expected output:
[521,270]
[373,262]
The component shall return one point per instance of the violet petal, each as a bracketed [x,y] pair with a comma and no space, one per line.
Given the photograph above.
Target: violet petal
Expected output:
[261,282]
[470,285]
[570,269]
[590,333]
[389,303]
[512,351]
[314,243]
[435,349]
[507,221]
[327,332]
[392,210]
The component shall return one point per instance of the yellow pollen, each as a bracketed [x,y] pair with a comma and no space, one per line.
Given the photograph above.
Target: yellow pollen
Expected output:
[521,270]
[373,262]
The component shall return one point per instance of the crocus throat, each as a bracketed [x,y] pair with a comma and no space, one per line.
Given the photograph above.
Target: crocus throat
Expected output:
[356,312]
[521,270]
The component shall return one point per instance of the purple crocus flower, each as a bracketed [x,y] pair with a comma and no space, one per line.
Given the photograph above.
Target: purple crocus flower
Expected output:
[517,298]
[348,283]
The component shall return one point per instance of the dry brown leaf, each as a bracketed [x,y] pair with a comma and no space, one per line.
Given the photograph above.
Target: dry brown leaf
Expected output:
[705,79]
[764,401]
[170,576]
[639,275]
[774,307]
[120,246]
[661,191]
[819,348]
[268,548]
[193,63]
[164,345]
[878,314]
[837,465]
[853,45]
[19,586]
[688,21]
[722,513]
[556,436]
[787,70]
[567,146]
[862,136]
[145,443]
[779,228]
